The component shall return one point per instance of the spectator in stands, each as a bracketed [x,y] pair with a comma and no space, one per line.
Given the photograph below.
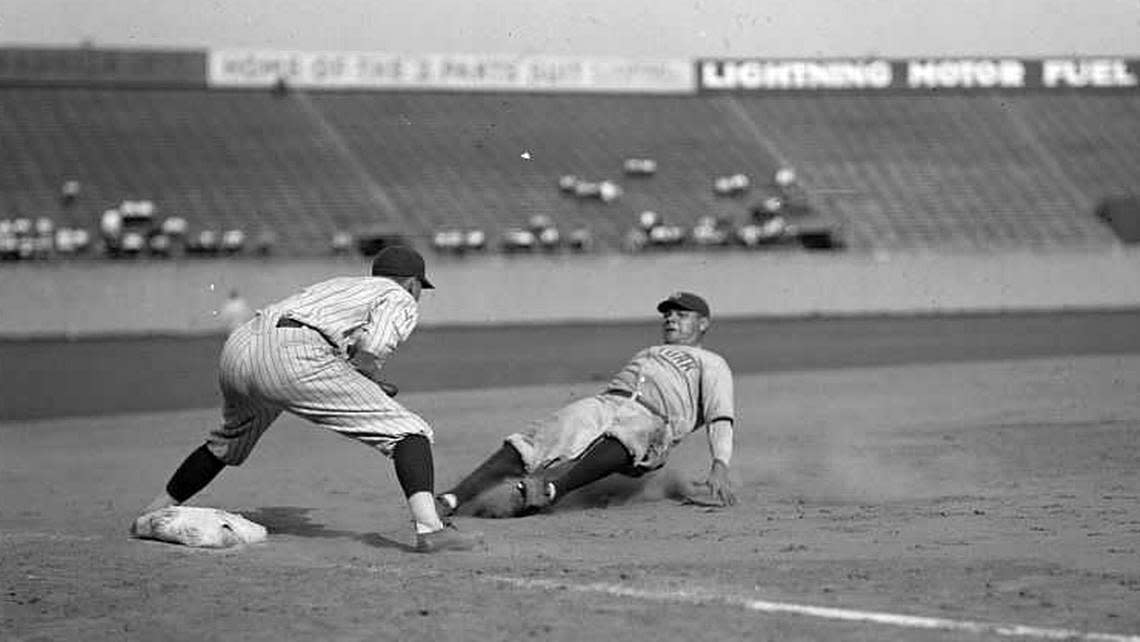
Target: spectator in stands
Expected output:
[341,243]
[266,241]
[568,183]
[609,191]
[131,244]
[667,236]
[785,177]
[9,247]
[233,241]
[587,189]
[652,230]
[581,238]
[23,227]
[793,197]
[538,222]
[235,311]
[768,224]
[606,191]
[448,241]
[111,230]
[711,230]
[549,239]
[768,209]
[69,192]
[475,240]
[648,220]
[174,227]
[734,185]
[204,243]
[69,241]
[639,166]
[546,233]
[160,245]
[44,237]
[517,239]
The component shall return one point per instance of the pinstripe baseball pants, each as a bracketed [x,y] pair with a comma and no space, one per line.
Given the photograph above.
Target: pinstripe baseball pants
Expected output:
[265,370]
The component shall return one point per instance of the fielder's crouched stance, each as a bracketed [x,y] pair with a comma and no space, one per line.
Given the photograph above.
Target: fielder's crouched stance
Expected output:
[318,354]
[662,395]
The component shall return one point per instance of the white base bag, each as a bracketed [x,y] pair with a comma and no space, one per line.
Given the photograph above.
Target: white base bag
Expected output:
[199,527]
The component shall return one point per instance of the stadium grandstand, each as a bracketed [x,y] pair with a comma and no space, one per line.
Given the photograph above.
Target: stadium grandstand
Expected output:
[299,173]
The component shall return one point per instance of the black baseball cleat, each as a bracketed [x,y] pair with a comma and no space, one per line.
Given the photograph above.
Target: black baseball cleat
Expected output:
[534,495]
[444,509]
[448,538]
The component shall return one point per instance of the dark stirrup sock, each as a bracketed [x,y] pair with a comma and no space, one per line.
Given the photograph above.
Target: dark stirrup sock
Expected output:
[415,467]
[606,456]
[197,470]
[504,462]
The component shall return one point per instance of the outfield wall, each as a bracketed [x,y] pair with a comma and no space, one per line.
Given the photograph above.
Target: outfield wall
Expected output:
[97,297]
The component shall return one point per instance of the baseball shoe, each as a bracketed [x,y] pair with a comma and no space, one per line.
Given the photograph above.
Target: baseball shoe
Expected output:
[444,509]
[535,494]
[448,538]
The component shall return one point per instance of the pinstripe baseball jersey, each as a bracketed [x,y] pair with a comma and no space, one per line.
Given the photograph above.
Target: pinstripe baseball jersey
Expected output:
[303,368]
[368,313]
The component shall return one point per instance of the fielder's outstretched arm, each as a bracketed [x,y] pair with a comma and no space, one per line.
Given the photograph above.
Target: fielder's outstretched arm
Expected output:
[720,447]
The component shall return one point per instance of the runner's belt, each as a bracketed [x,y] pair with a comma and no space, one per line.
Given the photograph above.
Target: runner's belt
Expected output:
[629,394]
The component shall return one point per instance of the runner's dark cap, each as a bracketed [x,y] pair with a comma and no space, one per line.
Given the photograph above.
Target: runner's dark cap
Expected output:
[684,301]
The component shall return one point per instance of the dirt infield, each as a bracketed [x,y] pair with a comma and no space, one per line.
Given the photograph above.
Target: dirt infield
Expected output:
[974,495]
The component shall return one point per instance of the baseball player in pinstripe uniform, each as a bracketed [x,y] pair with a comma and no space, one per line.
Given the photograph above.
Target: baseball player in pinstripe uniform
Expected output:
[318,354]
[664,393]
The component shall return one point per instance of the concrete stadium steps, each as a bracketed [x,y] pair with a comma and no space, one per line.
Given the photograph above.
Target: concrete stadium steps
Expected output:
[457,158]
[220,159]
[956,170]
[952,169]
[1094,138]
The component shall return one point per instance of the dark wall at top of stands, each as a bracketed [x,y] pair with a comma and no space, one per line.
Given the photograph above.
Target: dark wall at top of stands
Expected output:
[20,66]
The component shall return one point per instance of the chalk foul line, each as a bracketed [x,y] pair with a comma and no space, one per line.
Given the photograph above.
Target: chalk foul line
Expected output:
[828,613]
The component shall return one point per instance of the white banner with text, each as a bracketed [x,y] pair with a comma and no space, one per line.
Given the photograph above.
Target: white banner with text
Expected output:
[468,72]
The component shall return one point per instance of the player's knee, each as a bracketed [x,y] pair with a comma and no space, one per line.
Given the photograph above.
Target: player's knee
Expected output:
[227,454]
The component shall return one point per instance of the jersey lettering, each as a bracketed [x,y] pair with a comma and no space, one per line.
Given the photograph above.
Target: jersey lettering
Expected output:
[680,360]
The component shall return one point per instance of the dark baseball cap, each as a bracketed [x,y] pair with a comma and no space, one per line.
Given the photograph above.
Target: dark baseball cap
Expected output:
[684,301]
[400,260]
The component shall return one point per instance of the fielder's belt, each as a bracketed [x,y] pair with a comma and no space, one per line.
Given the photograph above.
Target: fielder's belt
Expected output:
[636,396]
[286,322]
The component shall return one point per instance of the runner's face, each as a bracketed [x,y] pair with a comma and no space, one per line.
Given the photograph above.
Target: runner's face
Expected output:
[682,327]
